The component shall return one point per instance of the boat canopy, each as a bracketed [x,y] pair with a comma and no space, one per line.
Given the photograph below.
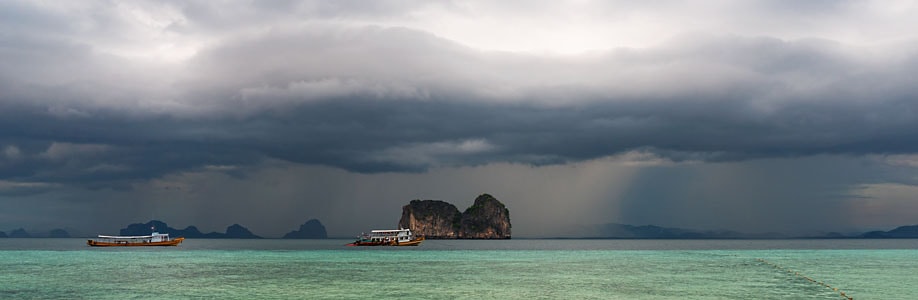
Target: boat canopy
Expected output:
[390,231]
[125,237]
[133,237]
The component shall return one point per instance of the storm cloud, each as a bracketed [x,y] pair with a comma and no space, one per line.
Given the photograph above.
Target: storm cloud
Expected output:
[102,96]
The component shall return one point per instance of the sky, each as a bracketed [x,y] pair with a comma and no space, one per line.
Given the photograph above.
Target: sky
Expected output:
[797,117]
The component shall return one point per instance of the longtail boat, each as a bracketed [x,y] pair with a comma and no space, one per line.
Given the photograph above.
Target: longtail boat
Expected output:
[395,237]
[154,239]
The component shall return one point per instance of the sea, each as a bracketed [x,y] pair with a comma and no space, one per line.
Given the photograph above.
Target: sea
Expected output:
[463,269]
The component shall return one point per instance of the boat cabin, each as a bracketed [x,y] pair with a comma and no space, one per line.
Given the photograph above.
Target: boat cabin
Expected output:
[152,238]
[399,235]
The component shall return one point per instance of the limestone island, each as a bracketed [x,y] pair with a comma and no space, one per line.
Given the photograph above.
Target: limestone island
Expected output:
[312,229]
[487,218]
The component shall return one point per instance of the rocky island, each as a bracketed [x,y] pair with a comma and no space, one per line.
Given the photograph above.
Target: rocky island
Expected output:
[312,229]
[487,218]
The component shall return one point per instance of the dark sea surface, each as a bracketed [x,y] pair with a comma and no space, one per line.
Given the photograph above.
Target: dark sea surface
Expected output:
[464,269]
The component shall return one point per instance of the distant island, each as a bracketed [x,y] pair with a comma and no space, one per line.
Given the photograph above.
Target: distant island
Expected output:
[234,231]
[487,218]
[58,233]
[312,229]
[19,233]
[901,232]
[625,231]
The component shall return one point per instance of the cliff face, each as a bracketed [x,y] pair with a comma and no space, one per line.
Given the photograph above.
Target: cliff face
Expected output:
[486,219]
[434,219]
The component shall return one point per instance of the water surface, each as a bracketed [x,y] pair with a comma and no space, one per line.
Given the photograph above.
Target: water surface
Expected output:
[451,269]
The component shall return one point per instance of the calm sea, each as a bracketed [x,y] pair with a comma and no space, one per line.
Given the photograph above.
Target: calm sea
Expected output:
[450,269]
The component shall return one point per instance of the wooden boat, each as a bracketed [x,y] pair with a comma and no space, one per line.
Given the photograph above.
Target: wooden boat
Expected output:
[400,237]
[154,239]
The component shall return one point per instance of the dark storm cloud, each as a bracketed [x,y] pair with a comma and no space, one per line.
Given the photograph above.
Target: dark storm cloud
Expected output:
[779,115]
[727,97]
[371,99]
[380,99]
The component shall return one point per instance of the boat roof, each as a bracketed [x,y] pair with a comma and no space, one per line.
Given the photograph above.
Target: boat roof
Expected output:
[132,236]
[390,230]
[125,237]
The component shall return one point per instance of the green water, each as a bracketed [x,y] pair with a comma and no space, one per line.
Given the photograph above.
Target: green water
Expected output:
[519,269]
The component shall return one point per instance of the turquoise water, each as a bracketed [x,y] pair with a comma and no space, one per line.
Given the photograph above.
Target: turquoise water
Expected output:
[517,269]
